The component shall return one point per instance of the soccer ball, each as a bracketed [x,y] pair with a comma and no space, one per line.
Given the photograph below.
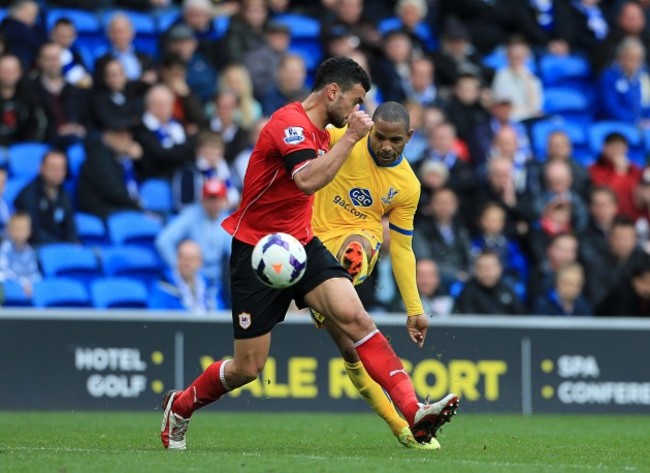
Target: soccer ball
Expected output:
[279,260]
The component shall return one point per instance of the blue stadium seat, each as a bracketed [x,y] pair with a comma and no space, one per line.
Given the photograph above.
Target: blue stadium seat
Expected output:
[25,158]
[156,196]
[311,52]
[145,26]
[133,228]
[599,130]
[131,261]
[166,19]
[119,293]
[422,30]
[60,292]
[540,131]
[569,103]
[300,26]
[85,22]
[13,188]
[221,25]
[455,288]
[90,229]
[69,260]
[497,59]
[76,156]
[14,295]
[564,71]
[646,140]
[143,23]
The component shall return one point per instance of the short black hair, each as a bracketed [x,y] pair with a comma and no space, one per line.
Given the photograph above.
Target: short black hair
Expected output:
[615,136]
[65,21]
[343,71]
[622,221]
[393,112]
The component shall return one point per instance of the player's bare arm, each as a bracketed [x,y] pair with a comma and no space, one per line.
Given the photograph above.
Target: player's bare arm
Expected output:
[320,172]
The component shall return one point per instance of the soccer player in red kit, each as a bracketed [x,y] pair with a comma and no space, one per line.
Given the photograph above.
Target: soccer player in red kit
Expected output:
[290,162]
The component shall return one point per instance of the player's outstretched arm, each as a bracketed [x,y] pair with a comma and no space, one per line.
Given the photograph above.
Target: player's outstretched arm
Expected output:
[320,172]
[416,327]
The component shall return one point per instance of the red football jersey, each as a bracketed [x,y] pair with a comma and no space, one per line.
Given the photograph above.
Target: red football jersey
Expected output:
[271,202]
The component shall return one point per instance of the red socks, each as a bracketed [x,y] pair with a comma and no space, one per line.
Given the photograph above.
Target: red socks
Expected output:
[207,388]
[387,370]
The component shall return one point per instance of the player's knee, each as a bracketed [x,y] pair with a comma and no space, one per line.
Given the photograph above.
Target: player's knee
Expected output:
[247,371]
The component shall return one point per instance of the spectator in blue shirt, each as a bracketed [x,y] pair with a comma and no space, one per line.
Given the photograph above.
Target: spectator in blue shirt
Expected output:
[17,258]
[201,74]
[201,223]
[624,87]
[566,297]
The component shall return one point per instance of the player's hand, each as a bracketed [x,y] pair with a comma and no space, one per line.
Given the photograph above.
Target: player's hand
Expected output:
[416,327]
[359,124]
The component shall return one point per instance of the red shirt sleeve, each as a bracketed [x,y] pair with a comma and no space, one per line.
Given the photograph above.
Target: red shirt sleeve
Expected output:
[292,134]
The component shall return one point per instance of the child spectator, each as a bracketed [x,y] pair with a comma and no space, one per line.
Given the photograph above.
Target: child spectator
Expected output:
[64,34]
[17,258]
[209,164]
[491,226]
[566,296]
[561,250]
[5,208]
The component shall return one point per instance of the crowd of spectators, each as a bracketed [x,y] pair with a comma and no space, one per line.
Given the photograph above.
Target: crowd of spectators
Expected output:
[525,208]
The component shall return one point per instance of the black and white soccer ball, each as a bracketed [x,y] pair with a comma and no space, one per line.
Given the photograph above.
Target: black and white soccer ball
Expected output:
[279,260]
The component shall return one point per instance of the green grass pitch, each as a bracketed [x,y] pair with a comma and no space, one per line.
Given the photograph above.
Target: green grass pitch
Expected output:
[122,442]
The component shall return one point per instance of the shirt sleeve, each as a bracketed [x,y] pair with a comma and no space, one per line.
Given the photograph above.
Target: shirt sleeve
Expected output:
[401,251]
[292,136]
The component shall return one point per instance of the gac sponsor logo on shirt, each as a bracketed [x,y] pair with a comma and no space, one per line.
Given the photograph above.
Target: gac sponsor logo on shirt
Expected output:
[341,202]
[360,197]
[294,135]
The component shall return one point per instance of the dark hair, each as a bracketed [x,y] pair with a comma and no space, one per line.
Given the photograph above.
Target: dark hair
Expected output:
[173,60]
[490,204]
[343,71]
[64,21]
[622,221]
[392,112]
[488,252]
[614,137]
